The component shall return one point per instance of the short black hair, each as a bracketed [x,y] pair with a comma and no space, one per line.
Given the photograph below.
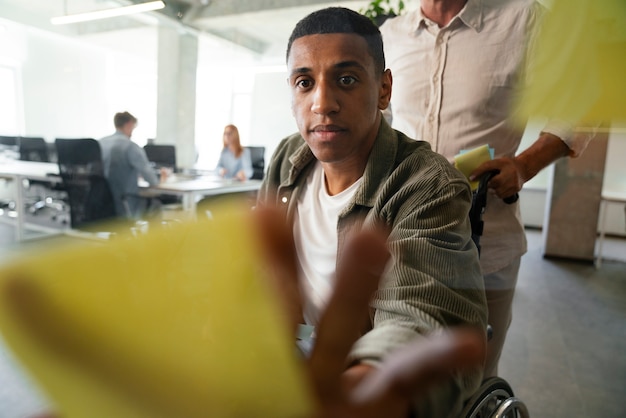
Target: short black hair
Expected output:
[122,118]
[341,20]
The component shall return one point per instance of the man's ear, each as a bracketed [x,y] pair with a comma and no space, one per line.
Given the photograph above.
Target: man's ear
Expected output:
[384,96]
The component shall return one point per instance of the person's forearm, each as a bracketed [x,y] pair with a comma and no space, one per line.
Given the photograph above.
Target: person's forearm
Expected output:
[543,152]
[355,374]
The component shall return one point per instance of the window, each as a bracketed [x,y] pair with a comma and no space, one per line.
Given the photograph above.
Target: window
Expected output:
[9,102]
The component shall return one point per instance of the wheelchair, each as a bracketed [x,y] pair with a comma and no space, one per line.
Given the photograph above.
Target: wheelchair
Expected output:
[494,398]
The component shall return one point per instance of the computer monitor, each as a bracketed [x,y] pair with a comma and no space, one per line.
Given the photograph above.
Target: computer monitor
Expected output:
[161,155]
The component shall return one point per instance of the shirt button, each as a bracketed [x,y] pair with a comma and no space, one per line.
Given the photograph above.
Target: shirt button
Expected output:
[431,118]
[284,199]
[435,78]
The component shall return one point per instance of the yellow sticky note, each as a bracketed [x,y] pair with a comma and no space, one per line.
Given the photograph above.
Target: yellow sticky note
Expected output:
[579,63]
[470,160]
[176,323]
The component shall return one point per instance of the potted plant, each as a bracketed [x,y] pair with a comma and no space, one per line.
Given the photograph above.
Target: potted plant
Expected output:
[380,10]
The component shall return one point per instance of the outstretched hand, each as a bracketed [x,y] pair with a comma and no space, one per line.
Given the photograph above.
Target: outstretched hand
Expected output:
[360,391]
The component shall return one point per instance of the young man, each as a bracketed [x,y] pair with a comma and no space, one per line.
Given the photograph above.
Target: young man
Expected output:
[347,171]
[124,161]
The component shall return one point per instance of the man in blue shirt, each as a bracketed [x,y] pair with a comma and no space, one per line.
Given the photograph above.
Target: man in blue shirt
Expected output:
[124,161]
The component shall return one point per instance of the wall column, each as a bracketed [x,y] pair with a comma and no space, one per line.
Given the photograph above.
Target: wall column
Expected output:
[176,106]
[573,203]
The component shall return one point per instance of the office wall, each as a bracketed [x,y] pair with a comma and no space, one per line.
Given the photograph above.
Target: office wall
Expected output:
[72,88]
[272,119]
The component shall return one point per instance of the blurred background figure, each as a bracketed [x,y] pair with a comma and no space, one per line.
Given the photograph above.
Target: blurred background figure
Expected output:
[124,161]
[235,161]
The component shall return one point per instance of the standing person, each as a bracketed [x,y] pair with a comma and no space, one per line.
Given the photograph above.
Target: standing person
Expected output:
[124,161]
[348,171]
[458,67]
[235,161]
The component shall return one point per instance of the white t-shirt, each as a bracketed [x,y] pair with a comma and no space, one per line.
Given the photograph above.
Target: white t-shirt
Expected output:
[315,232]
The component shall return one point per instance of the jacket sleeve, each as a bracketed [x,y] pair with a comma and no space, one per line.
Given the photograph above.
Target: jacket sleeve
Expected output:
[434,281]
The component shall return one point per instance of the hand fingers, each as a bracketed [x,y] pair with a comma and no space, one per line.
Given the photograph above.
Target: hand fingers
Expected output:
[414,368]
[278,250]
[358,274]
[506,182]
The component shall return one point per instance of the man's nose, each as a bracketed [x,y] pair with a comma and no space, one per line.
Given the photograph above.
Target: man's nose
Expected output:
[324,100]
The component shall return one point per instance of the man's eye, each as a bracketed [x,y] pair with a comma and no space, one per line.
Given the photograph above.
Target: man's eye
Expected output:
[303,83]
[347,80]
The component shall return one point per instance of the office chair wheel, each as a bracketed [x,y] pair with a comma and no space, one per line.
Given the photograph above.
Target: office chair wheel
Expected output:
[494,399]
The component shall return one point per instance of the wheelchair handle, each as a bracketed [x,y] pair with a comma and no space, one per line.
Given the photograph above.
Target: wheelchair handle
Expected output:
[483,186]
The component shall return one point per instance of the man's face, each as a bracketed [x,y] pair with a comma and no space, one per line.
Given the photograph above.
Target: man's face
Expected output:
[336,96]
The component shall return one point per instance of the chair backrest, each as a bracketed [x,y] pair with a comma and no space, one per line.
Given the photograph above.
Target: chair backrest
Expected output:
[33,149]
[82,171]
[9,145]
[83,154]
[161,155]
[9,141]
[257,155]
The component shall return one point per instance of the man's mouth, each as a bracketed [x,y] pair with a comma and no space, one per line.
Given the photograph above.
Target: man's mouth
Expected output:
[327,129]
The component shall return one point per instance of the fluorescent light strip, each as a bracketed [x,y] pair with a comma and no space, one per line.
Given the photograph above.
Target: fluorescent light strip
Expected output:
[103,14]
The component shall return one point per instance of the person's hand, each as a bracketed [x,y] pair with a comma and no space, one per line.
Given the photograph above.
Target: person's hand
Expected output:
[241,176]
[222,172]
[511,175]
[361,391]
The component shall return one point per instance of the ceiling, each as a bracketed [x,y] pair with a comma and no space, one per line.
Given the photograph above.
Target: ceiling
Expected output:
[259,26]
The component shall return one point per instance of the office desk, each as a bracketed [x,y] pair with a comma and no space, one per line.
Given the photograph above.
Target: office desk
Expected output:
[191,189]
[18,171]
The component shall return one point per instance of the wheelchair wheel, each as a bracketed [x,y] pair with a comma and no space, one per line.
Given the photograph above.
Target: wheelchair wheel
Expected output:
[494,399]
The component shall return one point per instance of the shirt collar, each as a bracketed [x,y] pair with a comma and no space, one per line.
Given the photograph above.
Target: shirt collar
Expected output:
[120,133]
[471,15]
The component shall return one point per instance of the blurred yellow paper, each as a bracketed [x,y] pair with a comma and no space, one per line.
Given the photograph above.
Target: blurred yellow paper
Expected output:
[175,323]
[579,62]
[468,161]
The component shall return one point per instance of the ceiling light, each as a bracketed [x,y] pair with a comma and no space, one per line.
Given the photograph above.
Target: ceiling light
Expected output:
[103,14]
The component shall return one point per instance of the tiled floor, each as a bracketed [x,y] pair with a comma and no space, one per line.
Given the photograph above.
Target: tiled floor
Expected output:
[565,356]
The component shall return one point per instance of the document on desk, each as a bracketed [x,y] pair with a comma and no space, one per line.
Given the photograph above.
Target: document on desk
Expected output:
[177,323]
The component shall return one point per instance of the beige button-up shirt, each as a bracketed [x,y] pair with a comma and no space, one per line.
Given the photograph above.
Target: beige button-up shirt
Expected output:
[455,87]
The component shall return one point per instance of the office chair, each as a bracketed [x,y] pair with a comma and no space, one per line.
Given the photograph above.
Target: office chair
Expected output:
[8,147]
[8,143]
[82,172]
[257,155]
[33,149]
[36,149]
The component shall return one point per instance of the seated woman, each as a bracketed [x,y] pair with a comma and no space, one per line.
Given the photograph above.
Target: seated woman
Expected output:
[235,161]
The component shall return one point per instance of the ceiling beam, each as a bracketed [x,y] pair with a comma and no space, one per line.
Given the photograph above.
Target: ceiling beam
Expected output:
[218,8]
